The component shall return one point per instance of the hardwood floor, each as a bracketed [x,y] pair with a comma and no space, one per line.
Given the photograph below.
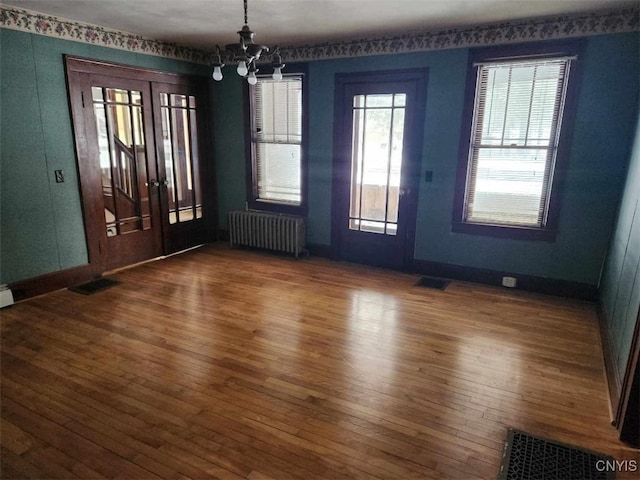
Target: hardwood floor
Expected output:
[222,363]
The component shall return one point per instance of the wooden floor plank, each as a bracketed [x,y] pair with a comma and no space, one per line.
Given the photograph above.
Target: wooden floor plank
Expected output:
[15,466]
[223,363]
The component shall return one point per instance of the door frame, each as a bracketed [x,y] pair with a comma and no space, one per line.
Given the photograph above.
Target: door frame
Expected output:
[626,415]
[411,165]
[93,214]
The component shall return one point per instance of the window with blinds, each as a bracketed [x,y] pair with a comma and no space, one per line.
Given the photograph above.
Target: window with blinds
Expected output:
[277,139]
[514,139]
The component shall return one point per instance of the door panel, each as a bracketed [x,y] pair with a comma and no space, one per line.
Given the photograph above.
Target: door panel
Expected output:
[117,168]
[378,139]
[179,110]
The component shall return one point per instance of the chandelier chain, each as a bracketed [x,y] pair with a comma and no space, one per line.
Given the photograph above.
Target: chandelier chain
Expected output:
[246,21]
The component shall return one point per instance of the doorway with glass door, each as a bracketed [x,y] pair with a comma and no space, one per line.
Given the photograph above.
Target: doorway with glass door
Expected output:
[378,124]
[138,160]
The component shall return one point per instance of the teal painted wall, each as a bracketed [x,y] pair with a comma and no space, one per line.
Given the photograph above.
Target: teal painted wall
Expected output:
[620,288]
[602,139]
[41,221]
[228,137]
[602,135]
[42,229]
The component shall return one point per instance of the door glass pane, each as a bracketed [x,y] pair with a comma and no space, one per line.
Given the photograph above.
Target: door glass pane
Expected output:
[141,164]
[136,98]
[194,154]
[122,157]
[375,163]
[396,164]
[379,100]
[377,144]
[180,145]
[178,100]
[167,145]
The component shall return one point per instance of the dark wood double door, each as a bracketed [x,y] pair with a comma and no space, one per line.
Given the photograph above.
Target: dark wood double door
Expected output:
[141,161]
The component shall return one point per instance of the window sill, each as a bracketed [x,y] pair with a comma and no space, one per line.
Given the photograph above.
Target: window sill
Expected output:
[275,207]
[504,231]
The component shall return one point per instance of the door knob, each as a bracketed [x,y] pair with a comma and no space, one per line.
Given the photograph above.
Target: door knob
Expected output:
[152,183]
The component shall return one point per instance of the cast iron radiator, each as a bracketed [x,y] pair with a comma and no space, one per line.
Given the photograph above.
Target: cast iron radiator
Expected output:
[283,233]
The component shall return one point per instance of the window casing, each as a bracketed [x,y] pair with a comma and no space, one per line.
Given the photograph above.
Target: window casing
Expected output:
[515,146]
[277,180]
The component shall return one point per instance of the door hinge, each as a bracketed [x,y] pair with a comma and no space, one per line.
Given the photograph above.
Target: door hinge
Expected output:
[82,96]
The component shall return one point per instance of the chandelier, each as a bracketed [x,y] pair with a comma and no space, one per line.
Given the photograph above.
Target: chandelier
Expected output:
[246,53]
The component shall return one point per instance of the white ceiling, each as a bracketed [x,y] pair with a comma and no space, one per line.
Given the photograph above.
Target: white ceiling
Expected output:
[204,23]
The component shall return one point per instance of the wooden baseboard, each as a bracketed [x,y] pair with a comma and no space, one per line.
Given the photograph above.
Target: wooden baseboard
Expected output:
[32,287]
[49,282]
[319,250]
[614,383]
[531,283]
[549,286]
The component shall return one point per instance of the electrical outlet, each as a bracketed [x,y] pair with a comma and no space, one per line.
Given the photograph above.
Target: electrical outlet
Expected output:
[509,282]
[59,176]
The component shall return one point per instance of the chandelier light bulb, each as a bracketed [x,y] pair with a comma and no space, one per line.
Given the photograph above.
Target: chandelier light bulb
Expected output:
[242,68]
[217,73]
[252,79]
[277,74]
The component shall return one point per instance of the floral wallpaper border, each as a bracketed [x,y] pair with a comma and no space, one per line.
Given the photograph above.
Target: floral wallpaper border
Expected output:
[617,21]
[625,20]
[33,22]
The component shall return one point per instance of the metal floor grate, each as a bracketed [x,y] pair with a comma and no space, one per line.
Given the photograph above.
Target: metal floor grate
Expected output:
[532,458]
[94,286]
[432,282]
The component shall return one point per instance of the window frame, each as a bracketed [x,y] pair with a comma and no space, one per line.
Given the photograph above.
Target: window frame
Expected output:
[253,202]
[518,52]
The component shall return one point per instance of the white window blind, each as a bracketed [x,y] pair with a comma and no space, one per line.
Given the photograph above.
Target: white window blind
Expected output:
[277,139]
[514,138]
